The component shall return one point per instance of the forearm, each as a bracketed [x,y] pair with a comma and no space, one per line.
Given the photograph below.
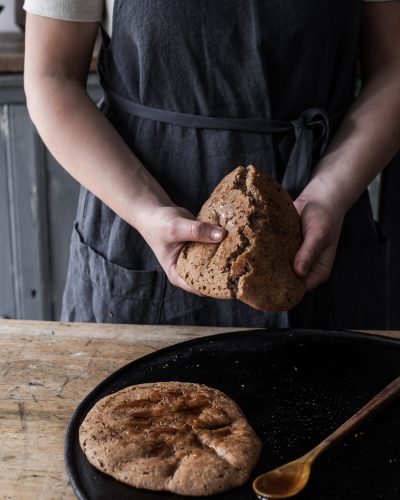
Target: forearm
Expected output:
[366,140]
[89,148]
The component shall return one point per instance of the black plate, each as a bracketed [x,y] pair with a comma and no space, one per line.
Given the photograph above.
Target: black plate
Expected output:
[295,387]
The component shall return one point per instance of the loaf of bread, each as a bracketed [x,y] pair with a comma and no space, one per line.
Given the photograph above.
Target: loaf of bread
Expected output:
[254,263]
[186,438]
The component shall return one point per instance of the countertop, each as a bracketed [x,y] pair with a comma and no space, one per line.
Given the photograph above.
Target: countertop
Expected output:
[46,369]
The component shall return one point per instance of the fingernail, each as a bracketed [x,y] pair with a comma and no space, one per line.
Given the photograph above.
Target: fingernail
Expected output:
[217,234]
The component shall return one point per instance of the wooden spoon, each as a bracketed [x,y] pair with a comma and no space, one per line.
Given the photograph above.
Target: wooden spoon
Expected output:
[289,479]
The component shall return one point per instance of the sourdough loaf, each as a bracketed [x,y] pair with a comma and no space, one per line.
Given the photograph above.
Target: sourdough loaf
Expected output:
[181,437]
[254,262]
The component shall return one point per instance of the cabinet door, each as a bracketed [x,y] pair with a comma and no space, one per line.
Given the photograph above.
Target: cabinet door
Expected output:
[7,299]
[37,207]
[25,266]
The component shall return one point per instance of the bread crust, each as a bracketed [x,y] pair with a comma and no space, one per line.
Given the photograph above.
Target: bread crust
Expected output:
[254,261]
[181,437]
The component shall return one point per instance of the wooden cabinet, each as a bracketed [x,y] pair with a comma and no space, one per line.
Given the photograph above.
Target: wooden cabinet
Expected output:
[37,207]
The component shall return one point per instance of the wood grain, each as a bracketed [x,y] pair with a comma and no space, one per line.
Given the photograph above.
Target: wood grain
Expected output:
[46,369]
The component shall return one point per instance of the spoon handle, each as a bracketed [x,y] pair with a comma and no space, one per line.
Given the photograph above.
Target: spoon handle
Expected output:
[388,394]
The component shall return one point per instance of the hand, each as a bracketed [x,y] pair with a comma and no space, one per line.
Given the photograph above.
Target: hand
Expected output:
[321,222]
[166,230]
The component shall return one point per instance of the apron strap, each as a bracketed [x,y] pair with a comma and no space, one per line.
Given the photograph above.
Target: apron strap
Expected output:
[311,132]
[261,125]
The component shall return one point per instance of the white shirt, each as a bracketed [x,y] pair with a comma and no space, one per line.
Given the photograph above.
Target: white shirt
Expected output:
[83,10]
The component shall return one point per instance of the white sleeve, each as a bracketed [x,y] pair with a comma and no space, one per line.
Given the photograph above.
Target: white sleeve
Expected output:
[67,10]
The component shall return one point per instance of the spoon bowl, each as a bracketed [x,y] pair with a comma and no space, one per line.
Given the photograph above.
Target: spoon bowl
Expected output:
[285,481]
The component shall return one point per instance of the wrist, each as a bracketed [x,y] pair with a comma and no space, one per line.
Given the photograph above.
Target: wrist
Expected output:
[140,196]
[326,192]
[144,209]
[333,187]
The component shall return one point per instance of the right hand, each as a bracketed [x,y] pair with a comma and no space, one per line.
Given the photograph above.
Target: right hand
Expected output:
[321,222]
[167,228]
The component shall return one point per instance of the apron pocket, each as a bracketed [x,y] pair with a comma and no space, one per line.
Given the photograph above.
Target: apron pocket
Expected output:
[360,282]
[99,290]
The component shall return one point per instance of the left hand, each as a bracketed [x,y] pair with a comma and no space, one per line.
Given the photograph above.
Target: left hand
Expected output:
[321,223]
[167,228]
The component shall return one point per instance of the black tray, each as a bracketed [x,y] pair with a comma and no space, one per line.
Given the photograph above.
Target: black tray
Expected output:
[295,387]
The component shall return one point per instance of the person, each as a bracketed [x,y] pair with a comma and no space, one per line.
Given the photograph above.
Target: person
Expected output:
[192,90]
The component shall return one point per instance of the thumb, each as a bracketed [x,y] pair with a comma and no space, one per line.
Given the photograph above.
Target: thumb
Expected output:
[194,230]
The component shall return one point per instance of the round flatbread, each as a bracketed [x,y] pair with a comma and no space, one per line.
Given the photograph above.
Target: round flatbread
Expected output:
[181,437]
[254,263]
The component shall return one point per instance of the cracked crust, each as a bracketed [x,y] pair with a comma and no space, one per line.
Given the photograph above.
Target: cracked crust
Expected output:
[185,438]
[254,262]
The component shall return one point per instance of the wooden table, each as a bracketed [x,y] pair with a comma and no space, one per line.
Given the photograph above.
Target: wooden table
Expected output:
[45,371]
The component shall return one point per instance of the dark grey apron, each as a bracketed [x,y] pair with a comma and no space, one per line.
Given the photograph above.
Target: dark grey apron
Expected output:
[196,89]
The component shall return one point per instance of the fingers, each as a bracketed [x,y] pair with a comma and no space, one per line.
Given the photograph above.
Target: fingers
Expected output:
[194,230]
[313,244]
[314,259]
[321,269]
[168,229]
[172,227]
[176,280]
